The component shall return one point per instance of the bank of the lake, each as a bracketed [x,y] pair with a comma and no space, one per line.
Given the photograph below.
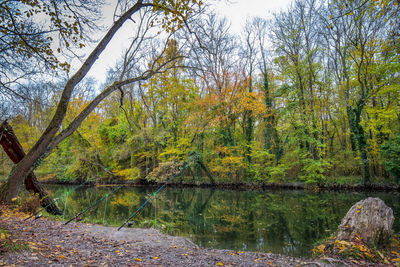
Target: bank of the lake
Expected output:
[289,222]
[371,187]
[51,243]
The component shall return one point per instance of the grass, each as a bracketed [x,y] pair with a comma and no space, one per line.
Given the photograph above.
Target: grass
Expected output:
[8,245]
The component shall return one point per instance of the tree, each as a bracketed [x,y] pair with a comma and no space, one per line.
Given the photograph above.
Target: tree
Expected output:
[356,29]
[171,14]
[29,48]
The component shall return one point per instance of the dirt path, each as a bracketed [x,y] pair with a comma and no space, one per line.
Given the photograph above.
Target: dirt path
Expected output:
[78,244]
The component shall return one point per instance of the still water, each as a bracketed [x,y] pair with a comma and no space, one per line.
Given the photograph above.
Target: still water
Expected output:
[286,222]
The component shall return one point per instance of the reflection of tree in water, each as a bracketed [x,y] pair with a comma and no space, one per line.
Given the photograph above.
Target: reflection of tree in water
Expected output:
[287,222]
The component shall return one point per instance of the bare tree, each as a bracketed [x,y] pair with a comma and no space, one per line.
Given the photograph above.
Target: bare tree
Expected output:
[167,13]
[296,38]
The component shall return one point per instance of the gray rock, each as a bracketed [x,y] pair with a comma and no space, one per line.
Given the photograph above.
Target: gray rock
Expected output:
[371,219]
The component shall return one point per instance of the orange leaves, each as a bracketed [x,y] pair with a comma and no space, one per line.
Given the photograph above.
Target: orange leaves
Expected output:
[224,104]
[357,250]
[319,249]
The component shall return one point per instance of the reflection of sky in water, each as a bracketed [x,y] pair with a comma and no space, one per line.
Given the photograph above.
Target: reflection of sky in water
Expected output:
[286,222]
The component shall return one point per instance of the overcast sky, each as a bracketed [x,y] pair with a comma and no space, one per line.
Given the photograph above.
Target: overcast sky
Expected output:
[236,11]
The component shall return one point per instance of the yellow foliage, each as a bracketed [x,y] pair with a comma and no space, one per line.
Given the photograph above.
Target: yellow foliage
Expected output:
[129,174]
[321,248]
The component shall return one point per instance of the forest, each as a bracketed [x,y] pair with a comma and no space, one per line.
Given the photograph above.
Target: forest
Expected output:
[309,95]
[158,133]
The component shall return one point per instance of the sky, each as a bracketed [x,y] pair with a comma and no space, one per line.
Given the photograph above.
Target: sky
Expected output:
[236,12]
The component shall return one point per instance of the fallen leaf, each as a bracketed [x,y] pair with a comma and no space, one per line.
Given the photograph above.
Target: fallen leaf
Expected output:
[2,236]
[156,258]
[219,264]
[137,259]
[61,257]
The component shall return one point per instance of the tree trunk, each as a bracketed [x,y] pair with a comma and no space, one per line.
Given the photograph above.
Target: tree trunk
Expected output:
[206,171]
[15,152]
[48,140]
[359,138]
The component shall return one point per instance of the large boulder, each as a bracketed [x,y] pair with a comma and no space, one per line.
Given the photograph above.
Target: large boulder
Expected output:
[371,219]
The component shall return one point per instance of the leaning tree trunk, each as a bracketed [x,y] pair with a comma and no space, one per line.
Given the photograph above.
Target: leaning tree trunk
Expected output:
[48,140]
[15,152]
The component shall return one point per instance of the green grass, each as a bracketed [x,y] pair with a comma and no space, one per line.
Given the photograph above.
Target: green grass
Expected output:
[8,245]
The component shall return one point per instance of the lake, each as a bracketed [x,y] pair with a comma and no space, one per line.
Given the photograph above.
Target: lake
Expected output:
[285,222]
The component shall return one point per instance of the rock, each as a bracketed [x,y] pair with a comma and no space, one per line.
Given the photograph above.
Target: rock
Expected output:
[371,219]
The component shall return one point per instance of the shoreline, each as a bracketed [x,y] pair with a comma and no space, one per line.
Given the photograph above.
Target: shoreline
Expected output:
[248,186]
[53,244]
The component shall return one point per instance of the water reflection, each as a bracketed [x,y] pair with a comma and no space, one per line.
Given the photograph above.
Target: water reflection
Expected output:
[286,222]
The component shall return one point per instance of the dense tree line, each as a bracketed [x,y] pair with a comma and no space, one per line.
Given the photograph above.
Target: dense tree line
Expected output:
[309,94]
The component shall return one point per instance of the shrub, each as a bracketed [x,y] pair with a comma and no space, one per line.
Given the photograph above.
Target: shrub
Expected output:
[29,203]
[391,155]
[313,171]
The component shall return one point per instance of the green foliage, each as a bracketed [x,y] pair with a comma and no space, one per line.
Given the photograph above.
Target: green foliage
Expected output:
[297,120]
[129,174]
[391,154]
[278,173]
[313,171]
